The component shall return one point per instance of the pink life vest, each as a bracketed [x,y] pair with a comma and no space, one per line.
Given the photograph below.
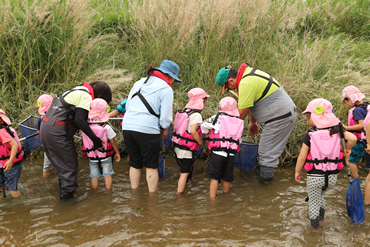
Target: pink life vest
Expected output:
[5,152]
[366,121]
[352,122]
[88,145]
[325,153]
[181,138]
[228,137]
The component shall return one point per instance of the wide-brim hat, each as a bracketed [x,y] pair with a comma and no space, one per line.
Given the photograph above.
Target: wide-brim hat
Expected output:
[196,96]
[229,106]
[43,103]
[5,118]
[171,68]
[352,93]
[322,113]
[99,111]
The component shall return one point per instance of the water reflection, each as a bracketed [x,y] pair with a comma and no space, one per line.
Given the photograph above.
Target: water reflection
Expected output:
[251,213]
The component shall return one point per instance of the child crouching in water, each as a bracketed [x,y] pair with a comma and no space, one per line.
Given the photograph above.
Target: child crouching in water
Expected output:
[11,157]
[321,155]
[43,103]
[226,133]
[100,160]
[187,134]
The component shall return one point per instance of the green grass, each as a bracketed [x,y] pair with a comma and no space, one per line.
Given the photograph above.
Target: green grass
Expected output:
[313,48]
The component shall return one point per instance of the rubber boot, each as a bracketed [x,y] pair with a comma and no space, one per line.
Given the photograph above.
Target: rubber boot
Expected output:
[266,175]
[265,180]
[65,196]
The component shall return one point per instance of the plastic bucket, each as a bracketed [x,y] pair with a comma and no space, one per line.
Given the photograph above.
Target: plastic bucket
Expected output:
[246,158]
[29,127]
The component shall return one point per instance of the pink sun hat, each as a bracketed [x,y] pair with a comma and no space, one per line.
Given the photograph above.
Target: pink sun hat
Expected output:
[98,113]
[196,96]
[353,93]
[229,106]
[43,103]
[322,113]
[5,118]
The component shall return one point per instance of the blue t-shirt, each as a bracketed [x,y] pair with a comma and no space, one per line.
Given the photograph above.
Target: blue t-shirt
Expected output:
[359,113]
[122,107]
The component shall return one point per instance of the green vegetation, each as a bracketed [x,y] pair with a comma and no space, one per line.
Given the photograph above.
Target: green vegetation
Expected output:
[313,48]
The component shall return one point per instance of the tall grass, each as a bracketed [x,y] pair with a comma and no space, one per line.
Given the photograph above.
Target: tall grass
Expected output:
[313,48]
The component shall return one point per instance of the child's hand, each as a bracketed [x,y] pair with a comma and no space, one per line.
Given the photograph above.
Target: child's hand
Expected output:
[208,135]
[201,142]
[117,157]
[298,176]
[367,149]
[347,153]
[8,165]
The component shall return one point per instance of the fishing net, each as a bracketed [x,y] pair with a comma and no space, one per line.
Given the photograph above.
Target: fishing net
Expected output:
[355,202]
[28,127]
[246,158]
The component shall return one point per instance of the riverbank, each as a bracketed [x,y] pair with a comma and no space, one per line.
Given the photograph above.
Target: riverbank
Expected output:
[313,48]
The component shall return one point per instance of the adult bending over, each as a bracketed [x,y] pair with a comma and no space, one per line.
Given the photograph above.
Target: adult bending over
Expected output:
[148,116]
[66,114]
[268,104]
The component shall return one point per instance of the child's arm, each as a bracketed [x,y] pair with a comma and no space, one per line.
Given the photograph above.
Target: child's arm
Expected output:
[114,113]
[358,126]
[9,164]
[300,162]
[117,156]
[367,130]
[195,134]
[351,141]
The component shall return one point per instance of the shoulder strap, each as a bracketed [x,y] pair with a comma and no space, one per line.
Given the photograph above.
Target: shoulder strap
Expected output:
[145,102]
[269,79]
[7,130]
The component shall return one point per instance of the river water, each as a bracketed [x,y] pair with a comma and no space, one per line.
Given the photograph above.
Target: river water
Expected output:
[250,214]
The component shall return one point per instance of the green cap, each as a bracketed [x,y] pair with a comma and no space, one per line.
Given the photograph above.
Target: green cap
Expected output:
[222,76]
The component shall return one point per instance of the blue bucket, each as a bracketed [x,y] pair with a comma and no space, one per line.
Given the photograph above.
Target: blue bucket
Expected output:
[29,127]
[246,158]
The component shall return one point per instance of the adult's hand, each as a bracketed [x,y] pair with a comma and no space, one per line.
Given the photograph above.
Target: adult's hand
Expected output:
[164,133]
[253,129]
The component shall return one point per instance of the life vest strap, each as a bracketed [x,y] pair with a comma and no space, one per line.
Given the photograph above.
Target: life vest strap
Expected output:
[184,138]
[181,147]
[7,157]
[223,139]
[326,160]
[227,150]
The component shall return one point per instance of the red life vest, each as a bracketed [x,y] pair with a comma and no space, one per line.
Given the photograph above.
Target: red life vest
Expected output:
[228,137]
[181,138]
[88,145]
[352,122]
[5,152]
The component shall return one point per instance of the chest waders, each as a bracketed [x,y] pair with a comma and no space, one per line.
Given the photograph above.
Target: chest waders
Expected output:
[57,130]
[276,113]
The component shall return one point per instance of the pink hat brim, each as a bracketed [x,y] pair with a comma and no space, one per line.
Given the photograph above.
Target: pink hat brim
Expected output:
[43,109]
[324,120]
[196,104]
[234,112]
[97,117]
[6,119]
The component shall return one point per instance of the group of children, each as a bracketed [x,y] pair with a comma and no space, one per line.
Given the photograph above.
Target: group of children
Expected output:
[321,155]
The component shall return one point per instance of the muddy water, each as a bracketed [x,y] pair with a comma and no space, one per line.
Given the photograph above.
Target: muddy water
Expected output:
[253,214]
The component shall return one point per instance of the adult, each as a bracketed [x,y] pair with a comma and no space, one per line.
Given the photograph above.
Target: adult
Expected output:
[66,114]
[148,116]
[267,103]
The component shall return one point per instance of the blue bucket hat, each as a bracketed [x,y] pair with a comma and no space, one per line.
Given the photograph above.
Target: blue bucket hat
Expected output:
[171,68]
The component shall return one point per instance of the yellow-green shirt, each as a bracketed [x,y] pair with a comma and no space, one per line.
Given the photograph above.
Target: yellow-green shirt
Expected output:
[79,98]
[252,87]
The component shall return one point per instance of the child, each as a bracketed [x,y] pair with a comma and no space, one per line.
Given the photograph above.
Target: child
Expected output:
[352,97]
[322,142]
[224,138]
[12,155]
[187,134]
[43,103]
[365,136]
[121,109]
[100,160]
